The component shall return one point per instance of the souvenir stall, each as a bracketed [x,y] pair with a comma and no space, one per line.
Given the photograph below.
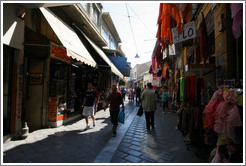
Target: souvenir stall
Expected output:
[224,116]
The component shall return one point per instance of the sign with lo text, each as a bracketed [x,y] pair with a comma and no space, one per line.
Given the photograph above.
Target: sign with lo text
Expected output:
[189,32]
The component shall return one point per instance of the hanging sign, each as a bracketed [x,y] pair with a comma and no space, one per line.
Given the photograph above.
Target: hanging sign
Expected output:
[189,32]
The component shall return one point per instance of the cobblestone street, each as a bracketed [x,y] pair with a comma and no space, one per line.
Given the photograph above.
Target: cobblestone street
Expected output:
[133,143]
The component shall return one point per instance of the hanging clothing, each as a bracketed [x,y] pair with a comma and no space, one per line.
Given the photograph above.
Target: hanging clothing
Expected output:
[226,119]
[159,56]
[210,112]
[239,129]
[167,13]
[164,70]
[203,40]
[192,93]
[178,92]
[237,15]
[153,65]
[182,89]
[187,88]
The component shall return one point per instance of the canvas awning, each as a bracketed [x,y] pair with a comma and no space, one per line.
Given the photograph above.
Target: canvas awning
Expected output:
[105,58]
[68,38]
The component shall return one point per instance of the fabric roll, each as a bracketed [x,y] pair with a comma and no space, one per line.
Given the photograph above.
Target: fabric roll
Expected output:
[182,89]
[178,92]
[192,94]
[187,88]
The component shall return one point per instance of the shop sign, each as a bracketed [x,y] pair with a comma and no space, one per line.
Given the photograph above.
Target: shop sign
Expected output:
[59,52]
[189,32]
[35,78]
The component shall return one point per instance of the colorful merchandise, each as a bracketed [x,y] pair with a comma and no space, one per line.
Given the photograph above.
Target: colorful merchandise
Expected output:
[187,88]
[226,119]
[192,93]
[182,89]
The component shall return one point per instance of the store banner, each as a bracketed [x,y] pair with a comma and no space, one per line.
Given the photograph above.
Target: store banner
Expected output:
[189,32]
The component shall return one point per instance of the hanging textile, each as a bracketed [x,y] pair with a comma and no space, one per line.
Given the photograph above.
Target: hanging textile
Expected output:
[186,9]
[178,91]
[182,89]
[211,108]
[159,56]
[237,15]
[192,94]
[167,12]
[226,119]
[164,70]
[153,65]
[187,13]
[203,39]
[239,129]
[175,76]
[159,23]
[187,88]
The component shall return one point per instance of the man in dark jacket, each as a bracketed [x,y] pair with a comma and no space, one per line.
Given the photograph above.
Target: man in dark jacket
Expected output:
[115,100]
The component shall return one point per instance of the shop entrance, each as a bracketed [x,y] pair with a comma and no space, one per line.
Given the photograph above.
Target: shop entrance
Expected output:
[8,54]
[34,100]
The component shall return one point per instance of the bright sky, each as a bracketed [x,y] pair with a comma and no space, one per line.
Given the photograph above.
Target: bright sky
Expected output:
[143,16]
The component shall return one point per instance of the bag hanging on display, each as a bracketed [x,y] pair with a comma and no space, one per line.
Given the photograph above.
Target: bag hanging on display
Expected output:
[121,118]
[140,111]
[182,89]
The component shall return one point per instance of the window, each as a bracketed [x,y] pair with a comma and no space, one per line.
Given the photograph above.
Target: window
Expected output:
[108,38]
[96,16]
[84,5]
[112,44]
[106,34]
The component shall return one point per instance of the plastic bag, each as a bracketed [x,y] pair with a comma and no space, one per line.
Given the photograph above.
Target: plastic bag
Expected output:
[121,118]
[140,111]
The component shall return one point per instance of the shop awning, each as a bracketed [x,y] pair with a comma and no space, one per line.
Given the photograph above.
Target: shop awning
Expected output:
[105,58]
[68,38]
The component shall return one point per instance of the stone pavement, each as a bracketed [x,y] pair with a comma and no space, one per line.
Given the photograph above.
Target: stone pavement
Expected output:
[133,143]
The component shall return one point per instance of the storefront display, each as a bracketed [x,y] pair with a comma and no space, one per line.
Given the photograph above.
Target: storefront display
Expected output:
[57,106]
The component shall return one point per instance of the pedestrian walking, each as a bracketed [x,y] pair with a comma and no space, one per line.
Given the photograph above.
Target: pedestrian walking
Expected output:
[148,102]
[123,92]
[132,95]
[97,93]
[115,100]
[89,105]
[164,99]
[138,95]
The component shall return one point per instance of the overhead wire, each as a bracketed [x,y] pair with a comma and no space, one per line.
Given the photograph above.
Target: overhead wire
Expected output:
[141,21]
[131,28]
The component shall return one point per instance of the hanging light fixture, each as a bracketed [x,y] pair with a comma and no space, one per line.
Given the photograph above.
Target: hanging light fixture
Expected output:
[137,56]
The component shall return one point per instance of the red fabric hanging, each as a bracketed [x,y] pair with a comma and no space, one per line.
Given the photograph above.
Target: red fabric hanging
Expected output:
[166,12]
[159,21]
[187,13]
[159,56]
[192,94]
[153,65]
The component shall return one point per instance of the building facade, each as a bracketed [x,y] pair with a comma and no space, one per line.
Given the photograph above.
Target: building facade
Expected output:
[52,53]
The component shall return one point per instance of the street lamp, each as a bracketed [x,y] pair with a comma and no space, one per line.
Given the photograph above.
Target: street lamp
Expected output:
[137,56]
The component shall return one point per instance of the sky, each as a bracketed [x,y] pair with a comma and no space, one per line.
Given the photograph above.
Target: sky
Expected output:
[143,17]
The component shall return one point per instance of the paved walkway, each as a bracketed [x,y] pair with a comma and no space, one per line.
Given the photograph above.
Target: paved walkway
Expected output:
[133,144]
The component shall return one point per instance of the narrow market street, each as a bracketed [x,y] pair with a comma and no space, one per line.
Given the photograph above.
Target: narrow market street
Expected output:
[133,144]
